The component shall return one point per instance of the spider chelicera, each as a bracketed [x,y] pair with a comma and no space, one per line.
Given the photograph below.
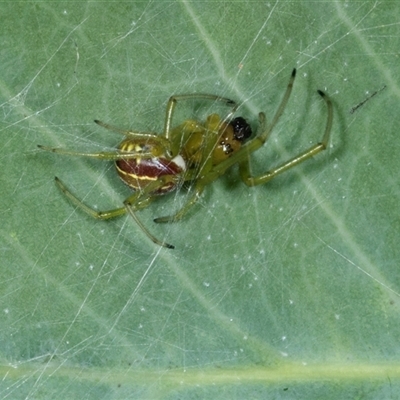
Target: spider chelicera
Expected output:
[194,152]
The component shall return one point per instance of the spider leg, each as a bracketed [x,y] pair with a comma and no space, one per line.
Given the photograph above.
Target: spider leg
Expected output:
[244,166]
[131,205]
[186,207]
[136,201]
[132,213]
[145,137]
[174,99]
[122,131]
[157,144]
[116,212]
[103,155]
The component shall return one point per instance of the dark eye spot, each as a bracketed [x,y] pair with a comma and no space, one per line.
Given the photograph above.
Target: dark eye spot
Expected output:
[241,129]
[227,148]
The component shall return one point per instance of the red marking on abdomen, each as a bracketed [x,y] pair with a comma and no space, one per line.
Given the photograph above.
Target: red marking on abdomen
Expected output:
[138,175]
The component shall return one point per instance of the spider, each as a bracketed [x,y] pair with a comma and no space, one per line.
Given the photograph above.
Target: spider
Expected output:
[193,152]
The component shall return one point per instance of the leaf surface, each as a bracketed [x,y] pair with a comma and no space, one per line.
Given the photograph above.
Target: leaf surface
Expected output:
[285,290]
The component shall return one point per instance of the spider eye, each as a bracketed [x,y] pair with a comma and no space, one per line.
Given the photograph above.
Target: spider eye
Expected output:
[241,129]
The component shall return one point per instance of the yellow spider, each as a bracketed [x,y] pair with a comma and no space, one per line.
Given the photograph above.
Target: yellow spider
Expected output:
[154,165]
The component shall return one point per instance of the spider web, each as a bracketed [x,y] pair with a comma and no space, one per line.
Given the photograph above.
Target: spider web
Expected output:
[293,281]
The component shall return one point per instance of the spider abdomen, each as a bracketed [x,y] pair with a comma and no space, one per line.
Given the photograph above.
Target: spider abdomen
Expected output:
[137,173]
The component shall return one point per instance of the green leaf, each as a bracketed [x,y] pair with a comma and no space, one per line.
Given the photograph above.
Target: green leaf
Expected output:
[289,289]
